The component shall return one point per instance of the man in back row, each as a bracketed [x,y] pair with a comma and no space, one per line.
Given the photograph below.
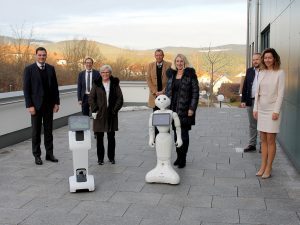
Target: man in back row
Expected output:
[248,94]
[84,85]
[156,78]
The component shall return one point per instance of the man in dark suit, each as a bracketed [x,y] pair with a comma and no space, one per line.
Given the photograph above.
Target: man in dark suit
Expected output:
[42,100]
[84,85]
[248,95]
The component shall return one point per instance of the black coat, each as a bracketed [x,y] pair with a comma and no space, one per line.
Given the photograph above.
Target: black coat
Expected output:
[247,86]
[33,87]
[188,95]
[107,117]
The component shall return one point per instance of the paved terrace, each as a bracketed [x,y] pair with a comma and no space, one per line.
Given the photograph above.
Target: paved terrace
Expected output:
[218,185]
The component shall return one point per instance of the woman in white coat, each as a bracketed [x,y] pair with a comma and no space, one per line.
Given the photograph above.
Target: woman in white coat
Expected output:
[267,107]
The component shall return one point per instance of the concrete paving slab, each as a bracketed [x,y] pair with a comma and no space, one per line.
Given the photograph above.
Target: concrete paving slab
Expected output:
[109,220]
[49,217]
[274,217]
[218,186]
[133,197]
[238,203]
[210,215]
[191,200]
[153,212]
[214,190]
[168,222]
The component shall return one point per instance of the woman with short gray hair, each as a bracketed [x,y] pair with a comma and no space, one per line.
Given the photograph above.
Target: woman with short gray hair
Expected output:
[106,99]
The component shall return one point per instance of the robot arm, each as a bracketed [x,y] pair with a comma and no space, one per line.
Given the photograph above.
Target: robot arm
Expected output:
[151,132]
[178,129]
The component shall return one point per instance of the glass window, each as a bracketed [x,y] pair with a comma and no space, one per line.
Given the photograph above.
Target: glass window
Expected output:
[265,38]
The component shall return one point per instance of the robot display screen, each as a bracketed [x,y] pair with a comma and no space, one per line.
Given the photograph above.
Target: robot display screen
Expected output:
[79,123]
[161,119]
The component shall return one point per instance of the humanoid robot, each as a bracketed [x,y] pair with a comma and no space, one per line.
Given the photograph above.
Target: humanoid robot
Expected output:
[162,119]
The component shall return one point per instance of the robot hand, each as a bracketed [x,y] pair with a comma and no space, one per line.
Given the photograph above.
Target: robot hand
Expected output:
[151,143]
[178,142]
[94,115]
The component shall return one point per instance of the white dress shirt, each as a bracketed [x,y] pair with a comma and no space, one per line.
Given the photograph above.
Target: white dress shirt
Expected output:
[254,84]
[107,89]
[40,65]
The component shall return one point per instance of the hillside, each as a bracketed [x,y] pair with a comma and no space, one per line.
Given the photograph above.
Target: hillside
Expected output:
[236,54]
[106,49]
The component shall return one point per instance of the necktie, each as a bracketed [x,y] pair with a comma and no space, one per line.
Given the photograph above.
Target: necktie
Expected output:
[42,67]
[88,86]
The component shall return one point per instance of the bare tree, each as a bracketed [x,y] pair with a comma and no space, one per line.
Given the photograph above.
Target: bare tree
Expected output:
[120,67]
[77,50]
[22,53]
[215,60]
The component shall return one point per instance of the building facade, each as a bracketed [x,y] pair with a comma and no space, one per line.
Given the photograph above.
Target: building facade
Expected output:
[276,24]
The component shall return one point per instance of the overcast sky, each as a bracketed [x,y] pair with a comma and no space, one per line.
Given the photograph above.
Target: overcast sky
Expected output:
[134,24]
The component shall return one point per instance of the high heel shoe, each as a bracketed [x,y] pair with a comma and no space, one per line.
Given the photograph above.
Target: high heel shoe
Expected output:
[266,176]
[259,174]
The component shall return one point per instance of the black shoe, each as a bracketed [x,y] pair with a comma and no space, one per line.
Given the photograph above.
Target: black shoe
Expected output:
[100,162]
[250,148]
[181,165]
[51,158]
[112,161]
[38,161]
[176,162]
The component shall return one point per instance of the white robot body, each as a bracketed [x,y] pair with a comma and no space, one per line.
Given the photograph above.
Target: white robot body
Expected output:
[79,144]
[162,119]
[89,184]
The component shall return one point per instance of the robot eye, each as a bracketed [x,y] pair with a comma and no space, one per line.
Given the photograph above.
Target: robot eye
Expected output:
[158,99]
[165,98]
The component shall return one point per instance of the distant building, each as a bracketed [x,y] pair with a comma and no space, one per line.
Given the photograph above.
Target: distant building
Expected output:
[276,24]
[61,62]
[218,84]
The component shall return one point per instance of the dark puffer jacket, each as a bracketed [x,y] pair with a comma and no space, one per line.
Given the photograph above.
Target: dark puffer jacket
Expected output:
[188,95]
[107,117]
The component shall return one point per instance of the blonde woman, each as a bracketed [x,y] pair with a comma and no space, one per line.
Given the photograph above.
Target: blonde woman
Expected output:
[183,90]
[267,108]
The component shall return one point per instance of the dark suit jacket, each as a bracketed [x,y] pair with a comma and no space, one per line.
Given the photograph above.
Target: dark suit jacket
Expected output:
[247,87]
[33,87]
[81,87]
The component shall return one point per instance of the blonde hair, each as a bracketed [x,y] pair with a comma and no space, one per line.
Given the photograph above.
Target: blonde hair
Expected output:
[181,56]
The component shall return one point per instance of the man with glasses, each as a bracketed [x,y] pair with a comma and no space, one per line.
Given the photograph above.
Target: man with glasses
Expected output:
[42,100]
[84,85]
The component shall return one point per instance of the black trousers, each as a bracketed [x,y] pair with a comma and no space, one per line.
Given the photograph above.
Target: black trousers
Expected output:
[182,151]
[43,116]
[85,107]
[111,145]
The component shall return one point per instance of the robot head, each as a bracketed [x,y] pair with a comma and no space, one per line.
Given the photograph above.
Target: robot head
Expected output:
[162,101]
